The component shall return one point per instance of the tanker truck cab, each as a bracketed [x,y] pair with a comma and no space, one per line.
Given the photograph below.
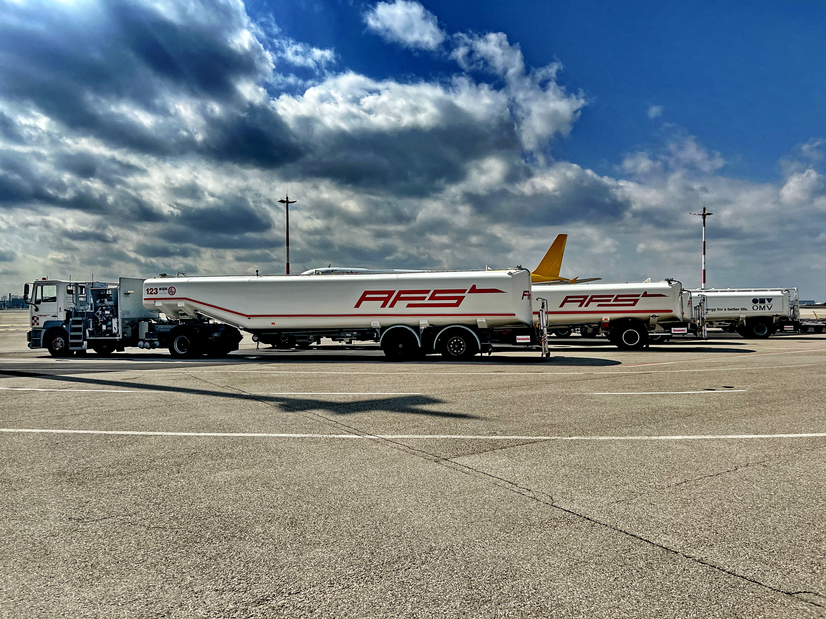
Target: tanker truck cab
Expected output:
[49,302]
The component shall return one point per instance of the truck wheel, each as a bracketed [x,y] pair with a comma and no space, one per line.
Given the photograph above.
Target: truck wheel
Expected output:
[458,344]
[629,337]
[57,341]
[104,350]
[561,332]
[589,331]
[183,344]
[400,344]
[760,329]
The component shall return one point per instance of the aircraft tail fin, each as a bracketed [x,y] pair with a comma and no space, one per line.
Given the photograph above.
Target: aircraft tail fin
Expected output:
[549,265]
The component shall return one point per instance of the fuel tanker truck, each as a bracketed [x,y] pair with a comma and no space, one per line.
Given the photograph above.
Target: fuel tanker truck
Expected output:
[751,312]
[455,313]
[631,315]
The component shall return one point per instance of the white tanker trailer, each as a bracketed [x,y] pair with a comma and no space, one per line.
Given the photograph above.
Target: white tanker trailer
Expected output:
[455,313]
[751,312]
[631,315]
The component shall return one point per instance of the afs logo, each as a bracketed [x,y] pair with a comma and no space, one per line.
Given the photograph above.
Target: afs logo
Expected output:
[442,297]
[607,300]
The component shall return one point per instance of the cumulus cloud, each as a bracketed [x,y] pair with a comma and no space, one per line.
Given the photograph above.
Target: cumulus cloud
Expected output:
[408,23]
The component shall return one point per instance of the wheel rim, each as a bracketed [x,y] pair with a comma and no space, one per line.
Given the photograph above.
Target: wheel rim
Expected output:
[58,343]
[456,346]
[631,337]
[182,345]
[761,329]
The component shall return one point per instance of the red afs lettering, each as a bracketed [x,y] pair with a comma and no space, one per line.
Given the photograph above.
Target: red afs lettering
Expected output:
[376,295]
[579,299]
[475,290]
[526,295]
[409,295]
[600,299]
[447,297]
[607,300]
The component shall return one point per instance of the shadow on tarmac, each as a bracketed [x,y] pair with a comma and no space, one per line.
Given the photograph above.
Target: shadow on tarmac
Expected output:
[410,405]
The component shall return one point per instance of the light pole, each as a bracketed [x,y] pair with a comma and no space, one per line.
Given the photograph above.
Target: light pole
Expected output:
[704,214]
[286,202]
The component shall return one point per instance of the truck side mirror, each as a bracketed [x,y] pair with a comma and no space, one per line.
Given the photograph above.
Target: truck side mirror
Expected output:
[26,293]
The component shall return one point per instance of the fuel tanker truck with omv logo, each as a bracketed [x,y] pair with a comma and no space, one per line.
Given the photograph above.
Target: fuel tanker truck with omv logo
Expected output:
[455,313]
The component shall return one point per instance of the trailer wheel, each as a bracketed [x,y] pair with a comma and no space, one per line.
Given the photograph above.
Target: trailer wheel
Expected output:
[57,341]
[458,344]
[183,344]
[629,337]
[400,345]
[104,350]
[566,332]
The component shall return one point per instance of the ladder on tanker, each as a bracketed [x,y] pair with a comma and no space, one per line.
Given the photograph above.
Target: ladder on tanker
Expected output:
[76,326]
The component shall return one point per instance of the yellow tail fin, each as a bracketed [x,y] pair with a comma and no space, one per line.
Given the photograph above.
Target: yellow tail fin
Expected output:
[549,266]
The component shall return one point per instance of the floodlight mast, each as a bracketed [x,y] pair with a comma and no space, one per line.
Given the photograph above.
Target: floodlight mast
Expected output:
[704,214]
[286,202]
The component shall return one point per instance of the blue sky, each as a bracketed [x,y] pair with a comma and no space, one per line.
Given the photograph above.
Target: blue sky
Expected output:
[746,78]
[138,137]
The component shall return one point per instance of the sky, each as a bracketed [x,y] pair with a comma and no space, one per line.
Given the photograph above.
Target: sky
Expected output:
[141,137]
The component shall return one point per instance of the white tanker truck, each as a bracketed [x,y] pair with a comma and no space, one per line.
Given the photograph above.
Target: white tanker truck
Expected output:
[631,315]
[455,313]
[751,312]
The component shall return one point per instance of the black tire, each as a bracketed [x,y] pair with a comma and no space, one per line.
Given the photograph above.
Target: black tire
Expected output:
[589,331]
[457,345]
[400,345]
[183,344]
[104,350]
[629,337]
[566,332]
[57,341]
[759,329]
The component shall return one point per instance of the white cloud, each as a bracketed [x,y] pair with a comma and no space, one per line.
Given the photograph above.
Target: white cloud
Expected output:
[408,23]
[541,108]
[655,111]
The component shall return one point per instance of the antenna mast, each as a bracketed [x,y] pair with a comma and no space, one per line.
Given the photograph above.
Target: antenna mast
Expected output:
[704,214]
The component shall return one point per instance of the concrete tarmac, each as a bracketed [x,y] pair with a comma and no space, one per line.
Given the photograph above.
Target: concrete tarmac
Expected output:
[685,480]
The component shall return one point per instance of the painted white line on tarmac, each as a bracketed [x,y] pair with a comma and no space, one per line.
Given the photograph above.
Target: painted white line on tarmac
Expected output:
[497,437]
[71,390]
[662,392]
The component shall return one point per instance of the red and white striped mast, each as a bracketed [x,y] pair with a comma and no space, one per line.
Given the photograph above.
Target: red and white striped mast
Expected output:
[704,214]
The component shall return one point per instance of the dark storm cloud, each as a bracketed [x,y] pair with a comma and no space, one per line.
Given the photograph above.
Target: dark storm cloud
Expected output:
[8,129]
[571,194]
[87,165]
[230,219]
[96,70]
[164,251]
[407,163]
[231,226]
[88,236]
